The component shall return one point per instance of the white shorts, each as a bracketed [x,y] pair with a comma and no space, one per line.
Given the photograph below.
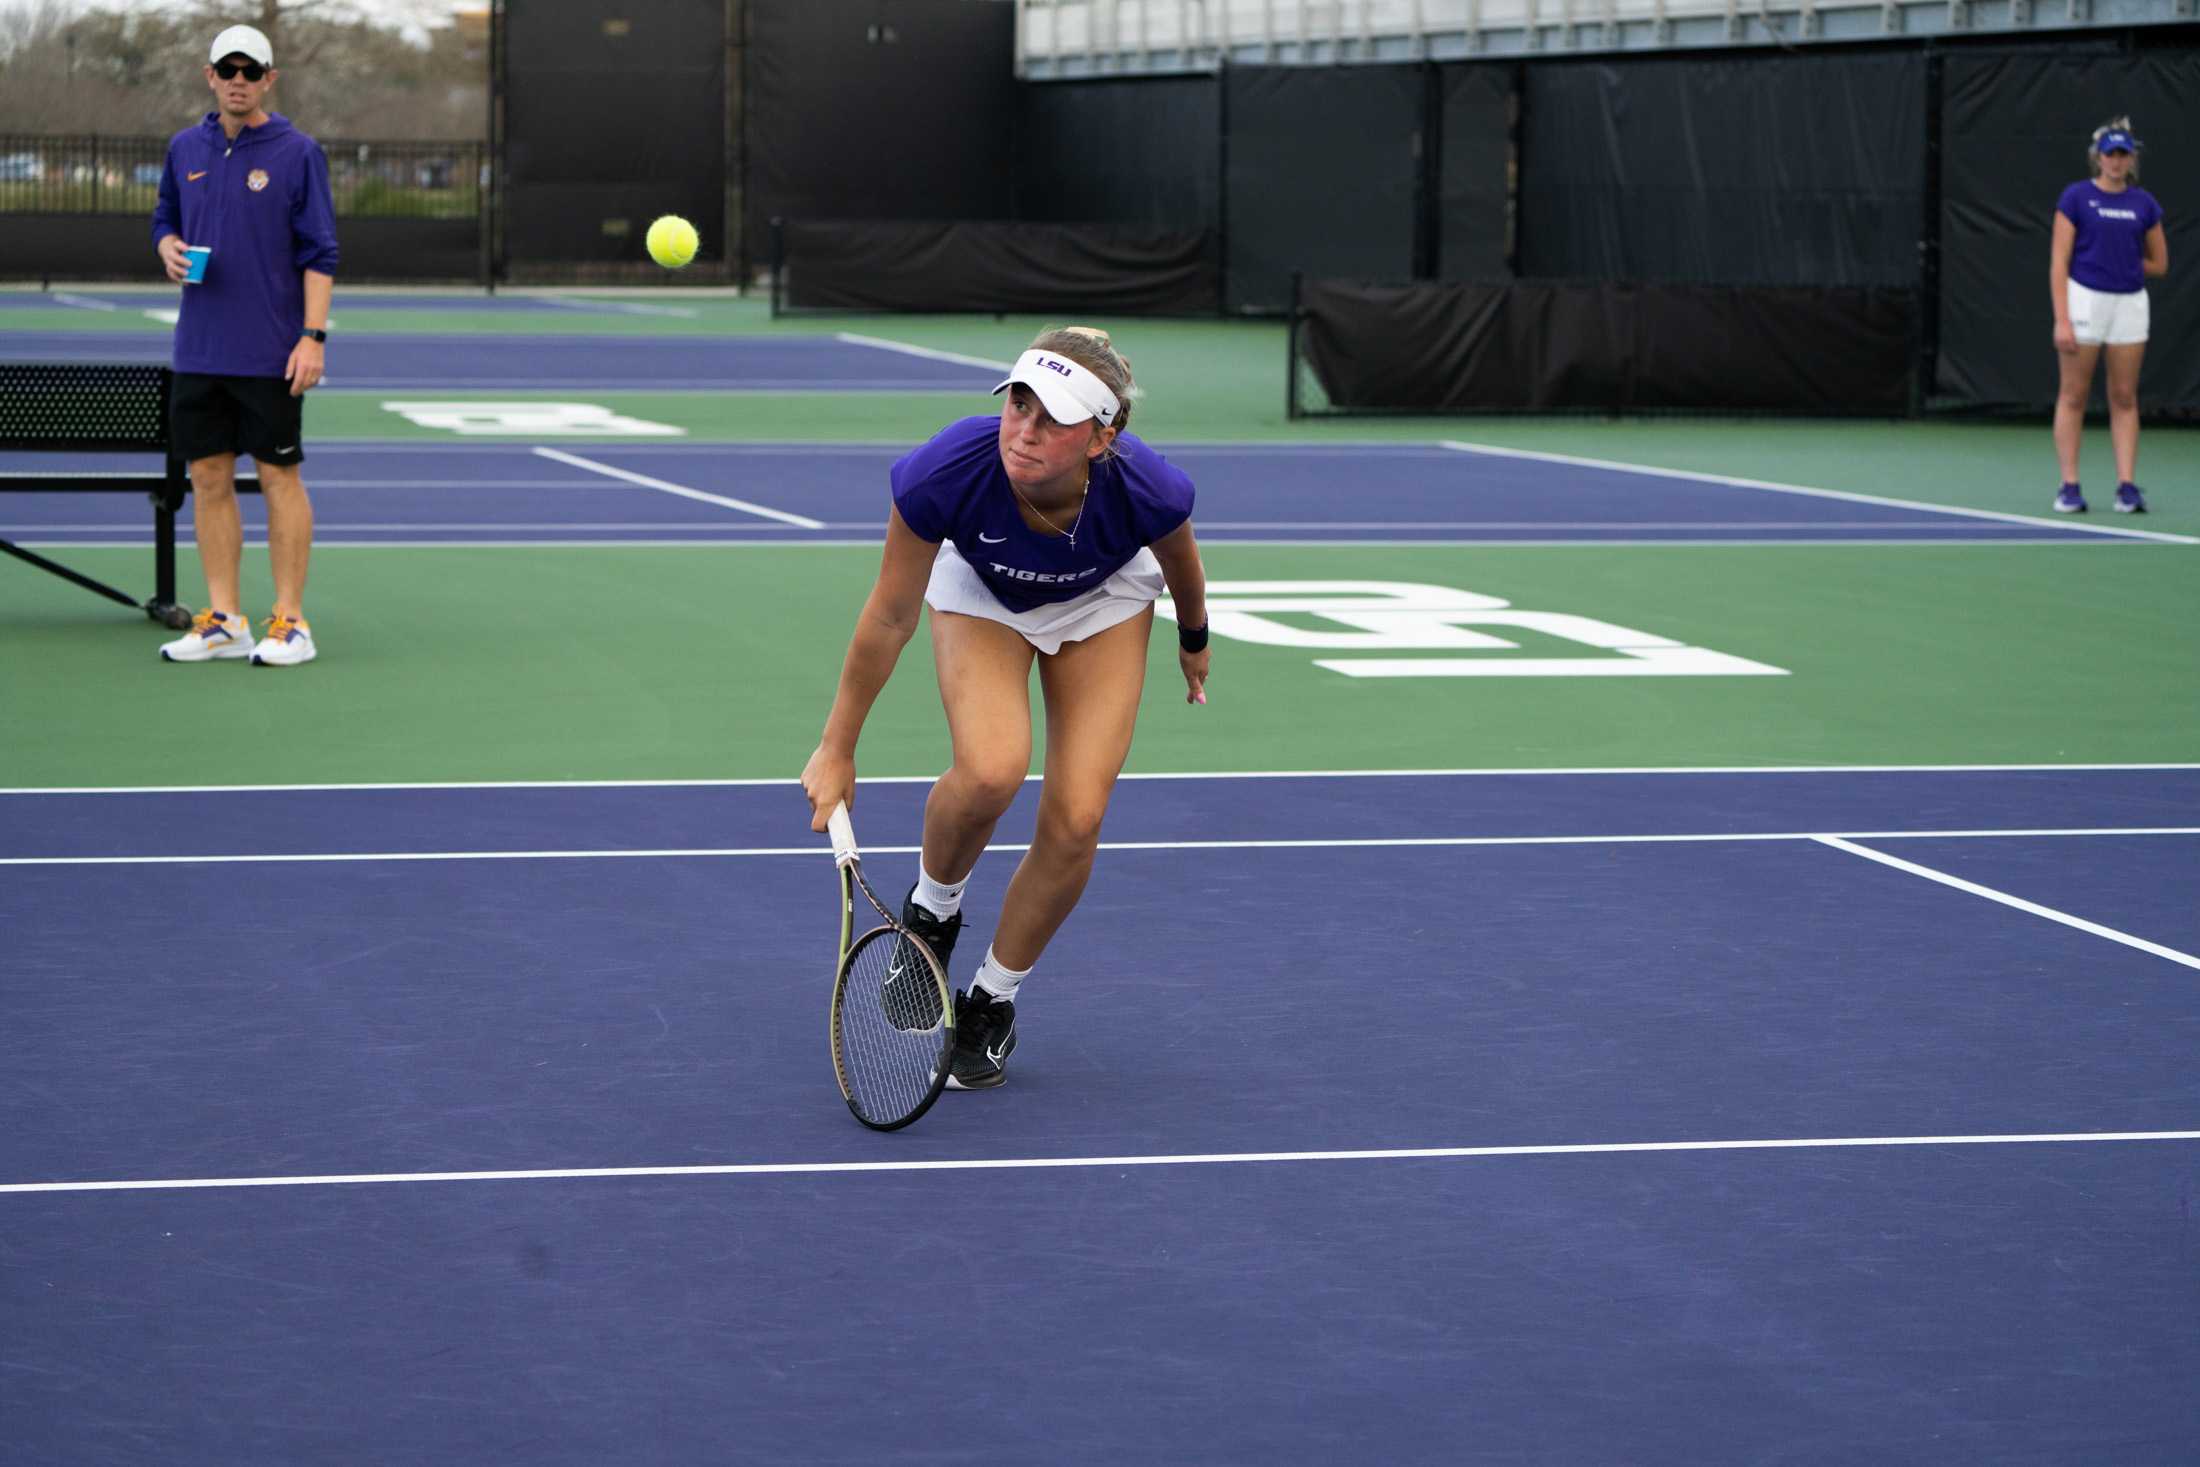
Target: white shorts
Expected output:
[956,587]
[2106,318]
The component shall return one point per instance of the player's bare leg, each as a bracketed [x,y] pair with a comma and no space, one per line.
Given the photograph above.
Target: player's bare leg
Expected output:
[1092,689]
[218,529]
[985,686]
[289,534]
[2070,398]
[2123,406]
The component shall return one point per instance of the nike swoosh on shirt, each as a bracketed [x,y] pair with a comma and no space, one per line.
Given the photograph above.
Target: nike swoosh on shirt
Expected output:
[194,177]
[985,539]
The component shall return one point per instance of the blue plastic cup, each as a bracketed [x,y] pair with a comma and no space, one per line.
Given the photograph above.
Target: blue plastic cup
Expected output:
[197,271]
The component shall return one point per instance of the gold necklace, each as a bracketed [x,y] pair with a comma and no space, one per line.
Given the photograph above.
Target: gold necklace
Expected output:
[1071,532]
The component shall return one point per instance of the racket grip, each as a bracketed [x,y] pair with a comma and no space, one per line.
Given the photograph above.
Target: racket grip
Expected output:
[843,832]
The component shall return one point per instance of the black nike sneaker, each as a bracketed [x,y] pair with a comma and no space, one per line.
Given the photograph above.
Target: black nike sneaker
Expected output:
[985,1036]
[913,1005]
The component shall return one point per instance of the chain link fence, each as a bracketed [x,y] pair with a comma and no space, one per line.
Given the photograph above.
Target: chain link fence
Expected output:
[121,175]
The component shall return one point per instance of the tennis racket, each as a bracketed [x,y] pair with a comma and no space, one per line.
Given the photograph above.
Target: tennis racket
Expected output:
[893,1014]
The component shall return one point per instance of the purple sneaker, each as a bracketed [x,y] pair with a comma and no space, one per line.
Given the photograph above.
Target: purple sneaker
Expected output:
[2069,500]
[2129,500]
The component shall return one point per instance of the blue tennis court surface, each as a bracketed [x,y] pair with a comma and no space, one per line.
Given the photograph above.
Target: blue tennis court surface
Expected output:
[91,298]
[543,362]
[1800,1116]
[609,493]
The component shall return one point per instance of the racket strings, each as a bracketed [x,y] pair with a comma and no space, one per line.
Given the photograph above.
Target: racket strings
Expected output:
[888,1059]
[910,996]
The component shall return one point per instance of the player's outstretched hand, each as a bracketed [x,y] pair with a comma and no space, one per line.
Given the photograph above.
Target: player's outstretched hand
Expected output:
[1195,673]
[828,779]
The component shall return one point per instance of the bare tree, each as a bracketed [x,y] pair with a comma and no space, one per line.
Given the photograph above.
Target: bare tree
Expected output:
[66,69]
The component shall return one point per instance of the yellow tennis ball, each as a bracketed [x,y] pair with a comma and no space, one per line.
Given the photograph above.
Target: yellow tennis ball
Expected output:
[672,241]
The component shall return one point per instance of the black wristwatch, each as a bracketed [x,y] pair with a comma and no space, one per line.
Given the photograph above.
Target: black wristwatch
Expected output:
[315,332]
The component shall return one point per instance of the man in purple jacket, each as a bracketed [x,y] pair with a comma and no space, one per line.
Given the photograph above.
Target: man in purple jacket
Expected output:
[248,193]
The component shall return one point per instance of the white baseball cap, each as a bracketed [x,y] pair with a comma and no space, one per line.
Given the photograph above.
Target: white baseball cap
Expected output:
[242,40]
[1070,392]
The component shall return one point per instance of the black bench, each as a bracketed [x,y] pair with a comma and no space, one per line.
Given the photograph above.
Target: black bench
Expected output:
[100,407]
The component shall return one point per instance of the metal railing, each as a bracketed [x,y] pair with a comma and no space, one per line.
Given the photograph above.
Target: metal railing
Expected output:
[1062,39]
[121,175]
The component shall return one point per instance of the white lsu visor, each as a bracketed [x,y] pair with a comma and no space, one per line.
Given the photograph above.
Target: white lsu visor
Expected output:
[1069,392]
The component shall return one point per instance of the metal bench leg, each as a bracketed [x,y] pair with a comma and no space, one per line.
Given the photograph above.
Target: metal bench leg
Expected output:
[55,568]
[166,501]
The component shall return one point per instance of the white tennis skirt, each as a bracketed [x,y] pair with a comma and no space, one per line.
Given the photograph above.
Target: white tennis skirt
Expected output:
[956,587]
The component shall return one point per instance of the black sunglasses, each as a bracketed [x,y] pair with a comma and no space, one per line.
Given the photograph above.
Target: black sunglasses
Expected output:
[227,70]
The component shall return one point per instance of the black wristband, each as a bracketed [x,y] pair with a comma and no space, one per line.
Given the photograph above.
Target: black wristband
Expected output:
[1192,639]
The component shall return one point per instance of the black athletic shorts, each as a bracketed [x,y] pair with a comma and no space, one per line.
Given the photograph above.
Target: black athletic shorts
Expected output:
[209,415]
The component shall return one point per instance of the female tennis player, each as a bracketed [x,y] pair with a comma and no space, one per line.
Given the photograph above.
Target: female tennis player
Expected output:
[1044,535]
[2108,241]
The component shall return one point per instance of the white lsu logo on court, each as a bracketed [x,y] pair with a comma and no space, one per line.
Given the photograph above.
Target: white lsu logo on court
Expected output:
[531,419]
[1403,616]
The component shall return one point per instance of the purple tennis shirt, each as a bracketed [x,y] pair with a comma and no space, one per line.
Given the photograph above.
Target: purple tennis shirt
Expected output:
[954,488]
[2112,230]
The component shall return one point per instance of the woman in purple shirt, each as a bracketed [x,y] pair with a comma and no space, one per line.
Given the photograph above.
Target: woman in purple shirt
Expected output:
[1045,535]
[2108,241]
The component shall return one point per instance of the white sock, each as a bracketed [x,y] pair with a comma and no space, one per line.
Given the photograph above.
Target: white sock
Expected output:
[997,981]
[938,897]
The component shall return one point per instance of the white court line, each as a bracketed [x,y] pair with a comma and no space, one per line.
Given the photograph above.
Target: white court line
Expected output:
[83,302]
[323,525]
[1057,1163]
[653,386]
[1993,895]
[149,477]
[1902,526]
[560,456]
[630,308]
[321,483]
[454,484]
[1405,842]
[789,782]
[31,536]
[709,537]
[458,484]
[1779,488]
[928,353]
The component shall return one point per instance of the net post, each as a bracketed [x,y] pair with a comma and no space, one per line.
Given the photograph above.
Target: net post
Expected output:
[1925,319]
[779,260]
[166,501]
[1291,352]
[1222,183]
[487,174]
[175,483]
[1428,177]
